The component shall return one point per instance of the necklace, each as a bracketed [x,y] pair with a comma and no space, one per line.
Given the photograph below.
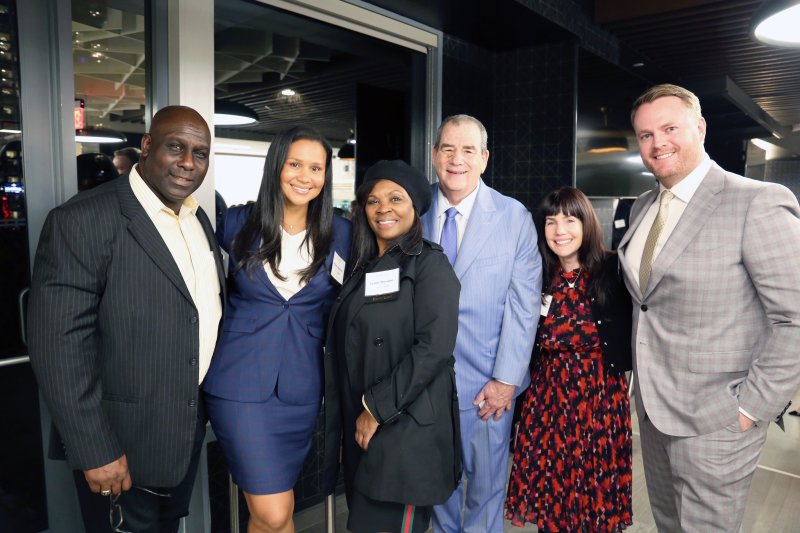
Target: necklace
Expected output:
[571,284]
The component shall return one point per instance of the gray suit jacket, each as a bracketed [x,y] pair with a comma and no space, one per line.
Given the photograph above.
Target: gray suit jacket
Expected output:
[719,324]
[113,336]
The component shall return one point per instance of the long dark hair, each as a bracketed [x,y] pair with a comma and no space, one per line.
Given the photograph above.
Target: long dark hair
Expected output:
[264,221]
[571,202]
[364,246]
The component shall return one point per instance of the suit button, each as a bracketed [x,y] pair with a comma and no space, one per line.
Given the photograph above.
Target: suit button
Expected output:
[338,298]
[192,403]
[286,306]
[644,307]
[193,320]
[378,341]
[193,361]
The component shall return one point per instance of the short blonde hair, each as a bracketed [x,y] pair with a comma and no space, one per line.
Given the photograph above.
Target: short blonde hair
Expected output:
[667,89]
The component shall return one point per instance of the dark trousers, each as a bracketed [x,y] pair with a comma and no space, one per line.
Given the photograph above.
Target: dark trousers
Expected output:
[143,509]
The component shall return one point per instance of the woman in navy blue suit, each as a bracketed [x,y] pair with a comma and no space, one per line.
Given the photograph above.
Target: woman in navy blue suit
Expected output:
[264,387]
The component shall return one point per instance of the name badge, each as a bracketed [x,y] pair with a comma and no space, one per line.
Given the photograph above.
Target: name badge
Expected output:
[547,299]
[619,223]
[382,283]
[337,268]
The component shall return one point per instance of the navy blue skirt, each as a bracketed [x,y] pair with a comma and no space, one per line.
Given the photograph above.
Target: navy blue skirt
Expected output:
[265,443]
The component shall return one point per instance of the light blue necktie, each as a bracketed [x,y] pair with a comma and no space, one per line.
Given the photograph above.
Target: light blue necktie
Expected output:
[449,240]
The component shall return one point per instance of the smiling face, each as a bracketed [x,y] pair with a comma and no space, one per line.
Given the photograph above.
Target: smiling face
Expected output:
[670,137]
[389,212]
[459,160]
[564,236]
[303,173]
[175,153]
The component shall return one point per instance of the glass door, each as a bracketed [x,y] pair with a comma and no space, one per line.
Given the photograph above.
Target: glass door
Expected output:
[22,491]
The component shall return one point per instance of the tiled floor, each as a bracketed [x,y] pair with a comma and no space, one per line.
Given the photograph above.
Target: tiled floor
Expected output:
[773,507]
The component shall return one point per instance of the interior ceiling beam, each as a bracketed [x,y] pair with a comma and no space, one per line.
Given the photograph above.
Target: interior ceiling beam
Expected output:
[725,87]
[609,12]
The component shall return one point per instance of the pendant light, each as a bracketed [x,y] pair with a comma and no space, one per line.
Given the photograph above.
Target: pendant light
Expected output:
[99,136]
[607,139]
[227,113]
[776,23]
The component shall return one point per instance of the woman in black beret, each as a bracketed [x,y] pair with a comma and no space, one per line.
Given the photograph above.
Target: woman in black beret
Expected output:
[390,393]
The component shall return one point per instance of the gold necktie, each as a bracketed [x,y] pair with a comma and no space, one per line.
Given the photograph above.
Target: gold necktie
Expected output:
[652,239]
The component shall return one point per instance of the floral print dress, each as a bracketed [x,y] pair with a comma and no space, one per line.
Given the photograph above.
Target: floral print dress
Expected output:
[571,469]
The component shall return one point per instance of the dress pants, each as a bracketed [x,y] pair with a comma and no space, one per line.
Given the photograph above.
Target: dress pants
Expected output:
[700,484]
[482,490]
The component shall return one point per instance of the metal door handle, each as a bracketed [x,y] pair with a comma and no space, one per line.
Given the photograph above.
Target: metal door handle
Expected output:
[22,302]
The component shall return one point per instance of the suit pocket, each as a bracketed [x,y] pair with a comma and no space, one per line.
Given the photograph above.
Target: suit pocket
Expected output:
[316,332]
[716,362]
[421,409]
[490,261]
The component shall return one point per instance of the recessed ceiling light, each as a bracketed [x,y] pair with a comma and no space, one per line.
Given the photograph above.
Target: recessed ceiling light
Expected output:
[288,92]
[638,64]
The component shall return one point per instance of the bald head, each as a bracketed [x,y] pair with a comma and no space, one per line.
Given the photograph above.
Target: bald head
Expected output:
[175,154]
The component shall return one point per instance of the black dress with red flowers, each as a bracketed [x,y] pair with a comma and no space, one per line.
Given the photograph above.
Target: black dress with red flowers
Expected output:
[571,469]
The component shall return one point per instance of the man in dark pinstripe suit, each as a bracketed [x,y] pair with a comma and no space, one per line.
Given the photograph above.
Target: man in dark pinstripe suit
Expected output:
[125,306]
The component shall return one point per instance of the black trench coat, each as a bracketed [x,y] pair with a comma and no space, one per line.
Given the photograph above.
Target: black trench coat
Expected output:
[400,350]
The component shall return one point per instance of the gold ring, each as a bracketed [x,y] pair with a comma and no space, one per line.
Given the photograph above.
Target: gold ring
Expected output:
[105,493]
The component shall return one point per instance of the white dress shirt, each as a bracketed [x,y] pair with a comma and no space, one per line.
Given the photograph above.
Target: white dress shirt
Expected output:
[464,208]
[189,247]
[683,191]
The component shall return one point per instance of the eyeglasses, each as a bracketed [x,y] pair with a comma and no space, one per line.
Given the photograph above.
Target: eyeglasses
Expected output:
[115,517]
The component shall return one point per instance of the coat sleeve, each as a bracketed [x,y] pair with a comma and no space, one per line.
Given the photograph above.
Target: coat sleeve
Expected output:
[770,250]
[520,314]
[66,290]
[436,294]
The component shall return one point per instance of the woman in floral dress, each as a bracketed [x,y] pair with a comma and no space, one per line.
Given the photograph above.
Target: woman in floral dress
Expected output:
[572,453]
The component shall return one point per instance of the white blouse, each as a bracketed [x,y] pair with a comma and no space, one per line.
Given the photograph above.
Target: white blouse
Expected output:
[294,257]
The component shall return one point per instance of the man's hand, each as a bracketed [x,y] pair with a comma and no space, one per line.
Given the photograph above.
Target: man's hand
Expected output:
[744,422]
[114,477]
[366,426]
[495,398]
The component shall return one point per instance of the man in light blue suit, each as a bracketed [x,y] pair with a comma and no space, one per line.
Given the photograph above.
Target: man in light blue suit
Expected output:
[491,243]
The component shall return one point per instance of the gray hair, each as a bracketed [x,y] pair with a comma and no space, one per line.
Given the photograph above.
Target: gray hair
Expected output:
[459,119]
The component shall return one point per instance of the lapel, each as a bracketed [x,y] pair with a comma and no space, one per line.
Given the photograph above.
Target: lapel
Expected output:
[697,213]
[145,233]
[641,205]
[479,228]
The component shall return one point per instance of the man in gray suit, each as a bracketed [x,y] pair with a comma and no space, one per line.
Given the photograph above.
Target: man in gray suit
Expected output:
[491,243]
[125,306]
[711,260]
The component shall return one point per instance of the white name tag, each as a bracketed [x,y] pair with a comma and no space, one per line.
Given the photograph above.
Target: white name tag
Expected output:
[619,223]
[337,268]
[379,283]
[547,299]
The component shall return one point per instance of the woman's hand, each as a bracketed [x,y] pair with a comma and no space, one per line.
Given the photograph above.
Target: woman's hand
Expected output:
[366,426]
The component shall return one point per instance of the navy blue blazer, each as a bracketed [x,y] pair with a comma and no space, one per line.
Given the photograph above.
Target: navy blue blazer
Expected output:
[270,345]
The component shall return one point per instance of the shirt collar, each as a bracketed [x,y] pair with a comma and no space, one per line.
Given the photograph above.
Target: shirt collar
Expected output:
[685,189]
[464,206]
[151,203]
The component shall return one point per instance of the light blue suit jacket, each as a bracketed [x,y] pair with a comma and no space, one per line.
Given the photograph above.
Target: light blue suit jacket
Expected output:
[500,271]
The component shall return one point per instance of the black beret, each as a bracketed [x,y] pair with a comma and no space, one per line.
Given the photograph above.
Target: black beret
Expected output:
[412,180]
